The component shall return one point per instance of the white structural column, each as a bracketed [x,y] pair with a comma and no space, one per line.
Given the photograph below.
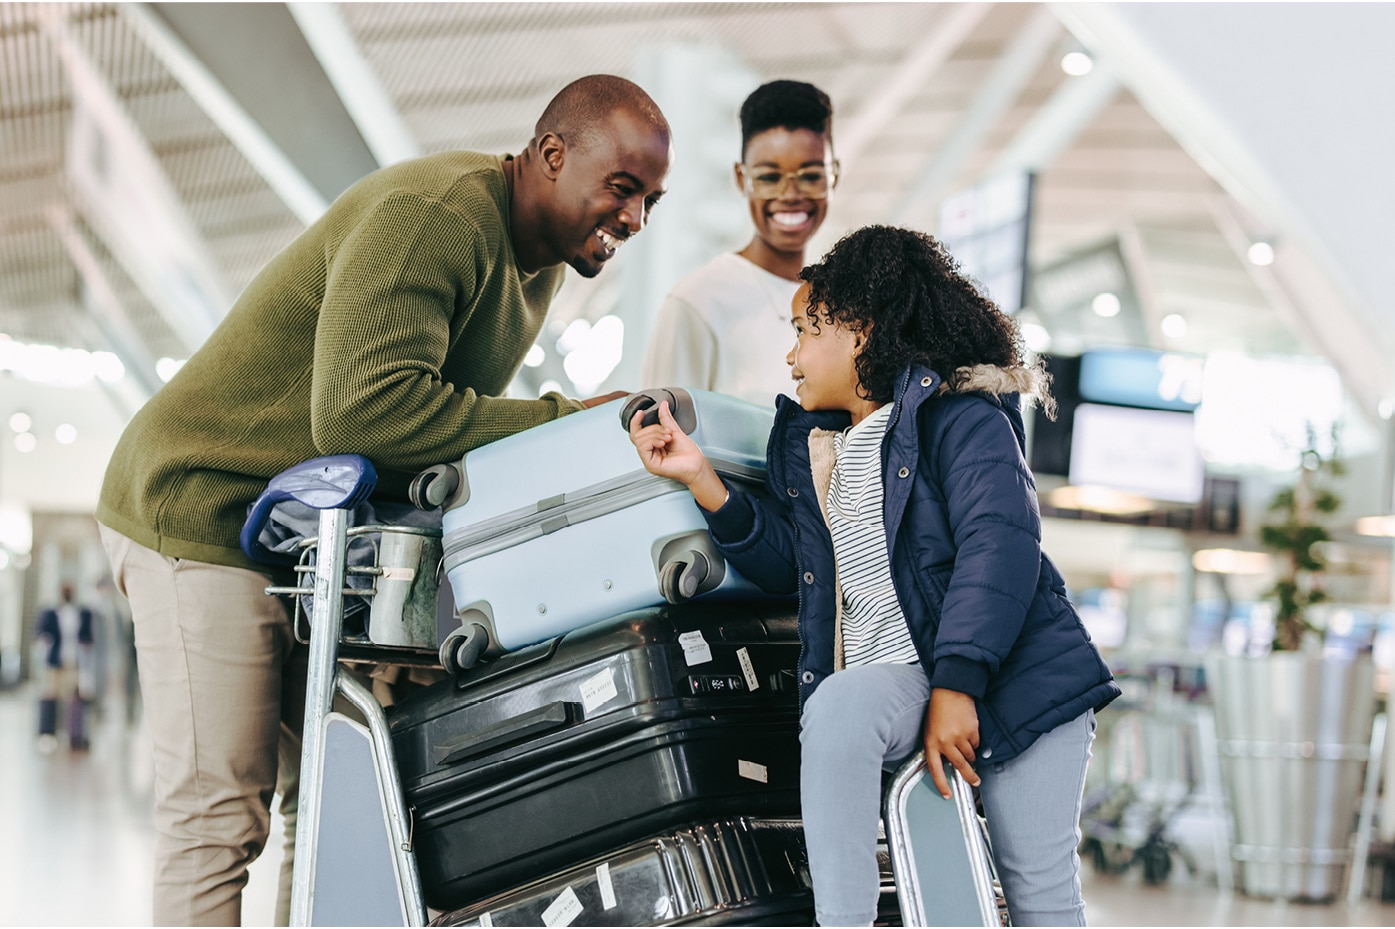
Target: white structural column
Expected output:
[1004,84]
[357,84]
[124,195]
[279,171]
[909,79]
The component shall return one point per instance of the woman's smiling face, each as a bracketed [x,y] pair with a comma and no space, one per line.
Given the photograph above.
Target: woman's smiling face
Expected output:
[786,222]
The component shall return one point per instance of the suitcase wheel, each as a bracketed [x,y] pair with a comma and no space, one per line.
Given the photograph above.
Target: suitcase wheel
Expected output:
[463,647]
[681,576]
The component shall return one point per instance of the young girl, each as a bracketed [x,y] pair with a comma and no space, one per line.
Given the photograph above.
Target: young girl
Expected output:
[899,506]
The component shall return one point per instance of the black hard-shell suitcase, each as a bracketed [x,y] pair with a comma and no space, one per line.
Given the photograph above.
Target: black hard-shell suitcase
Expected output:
[733,872]
[568,749]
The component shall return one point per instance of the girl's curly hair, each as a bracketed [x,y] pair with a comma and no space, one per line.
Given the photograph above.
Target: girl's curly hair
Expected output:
[905,292]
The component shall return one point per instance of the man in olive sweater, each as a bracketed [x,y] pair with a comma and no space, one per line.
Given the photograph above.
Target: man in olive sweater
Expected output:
[388,328]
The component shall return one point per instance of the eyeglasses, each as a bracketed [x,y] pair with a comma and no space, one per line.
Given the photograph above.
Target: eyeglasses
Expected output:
[813,182]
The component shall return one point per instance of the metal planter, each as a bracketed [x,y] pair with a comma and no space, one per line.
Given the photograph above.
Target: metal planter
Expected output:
[1293,732]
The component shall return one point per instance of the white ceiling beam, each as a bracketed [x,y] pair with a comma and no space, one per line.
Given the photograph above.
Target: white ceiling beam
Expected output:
[1004,84]
[909,79]
[1304,297]
[245,133]
[109,314]
[366,100]
[1057,122]
[125,196]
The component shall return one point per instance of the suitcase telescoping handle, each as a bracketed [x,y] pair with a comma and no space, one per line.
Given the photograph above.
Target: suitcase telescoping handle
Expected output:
[680,404]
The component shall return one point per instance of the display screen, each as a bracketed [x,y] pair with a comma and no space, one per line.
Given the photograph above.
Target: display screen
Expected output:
[1147,452]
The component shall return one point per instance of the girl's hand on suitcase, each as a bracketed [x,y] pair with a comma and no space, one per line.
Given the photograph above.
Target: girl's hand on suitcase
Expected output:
[667,451]
[951,732]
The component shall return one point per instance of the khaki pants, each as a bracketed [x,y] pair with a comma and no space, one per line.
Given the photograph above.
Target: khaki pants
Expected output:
[224,689]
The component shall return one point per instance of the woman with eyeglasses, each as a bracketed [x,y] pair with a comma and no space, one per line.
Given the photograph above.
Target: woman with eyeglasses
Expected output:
[725,327]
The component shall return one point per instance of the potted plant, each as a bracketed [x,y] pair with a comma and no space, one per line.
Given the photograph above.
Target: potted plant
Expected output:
[1299,540]
[1293,725]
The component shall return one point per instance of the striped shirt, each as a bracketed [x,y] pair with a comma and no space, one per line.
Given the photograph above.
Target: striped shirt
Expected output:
[874,629]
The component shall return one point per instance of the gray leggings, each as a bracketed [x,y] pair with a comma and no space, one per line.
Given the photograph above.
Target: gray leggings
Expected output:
[869,718]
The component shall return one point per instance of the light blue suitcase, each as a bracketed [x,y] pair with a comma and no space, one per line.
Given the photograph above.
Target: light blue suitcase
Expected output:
[560,526]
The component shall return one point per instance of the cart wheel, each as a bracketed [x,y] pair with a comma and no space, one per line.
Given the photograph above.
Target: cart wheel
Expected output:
[463,647]
[1157,863]
[1095,852]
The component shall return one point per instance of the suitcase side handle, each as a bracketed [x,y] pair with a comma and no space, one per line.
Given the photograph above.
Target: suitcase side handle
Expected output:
[680,404]
[556,715]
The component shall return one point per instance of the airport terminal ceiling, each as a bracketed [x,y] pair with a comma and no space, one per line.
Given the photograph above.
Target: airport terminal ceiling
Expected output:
[155,156]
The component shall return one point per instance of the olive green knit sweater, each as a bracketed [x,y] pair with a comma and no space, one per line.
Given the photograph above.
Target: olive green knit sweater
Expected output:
[388,328]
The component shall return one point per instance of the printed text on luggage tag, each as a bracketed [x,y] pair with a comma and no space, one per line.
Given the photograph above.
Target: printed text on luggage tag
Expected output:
[563,910]
[695,648]
[598,690]
[748,670]
[607,888]
[752,771]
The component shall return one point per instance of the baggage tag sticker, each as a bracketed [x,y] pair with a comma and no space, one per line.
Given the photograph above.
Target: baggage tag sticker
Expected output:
[607,888]
[748,670]
[486,921]
[752,771]
[598,690]
[563,910]
[695,648]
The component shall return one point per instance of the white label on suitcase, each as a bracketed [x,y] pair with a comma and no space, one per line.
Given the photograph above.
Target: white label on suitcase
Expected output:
[563,910]
[607,888]
[391,573]
[695,648]
[748,669]
[752,771]
[486,921]
[599,690]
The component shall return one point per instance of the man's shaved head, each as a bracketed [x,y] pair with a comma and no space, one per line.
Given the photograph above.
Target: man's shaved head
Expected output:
[587,104]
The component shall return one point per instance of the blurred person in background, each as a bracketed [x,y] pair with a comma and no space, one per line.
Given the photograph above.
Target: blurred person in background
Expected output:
[389,328]
[66,637]
[726,326]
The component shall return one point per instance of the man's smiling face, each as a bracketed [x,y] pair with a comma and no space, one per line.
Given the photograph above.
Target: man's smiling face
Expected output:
[608,182]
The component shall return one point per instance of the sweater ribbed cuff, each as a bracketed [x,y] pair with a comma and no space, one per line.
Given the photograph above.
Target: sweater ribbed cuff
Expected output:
[955,672]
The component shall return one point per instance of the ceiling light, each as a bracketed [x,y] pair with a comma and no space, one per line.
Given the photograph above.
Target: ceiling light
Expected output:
[535,357]
[66,434]
[1230,561]
[1261,254]
[1376,525]
[548,387]
[1174,325]
[1077,64]
[167,368]
[26,442]
[20,422]
[1106,305]
[1386,408]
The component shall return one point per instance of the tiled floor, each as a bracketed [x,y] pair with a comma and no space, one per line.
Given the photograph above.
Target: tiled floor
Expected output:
[76,840]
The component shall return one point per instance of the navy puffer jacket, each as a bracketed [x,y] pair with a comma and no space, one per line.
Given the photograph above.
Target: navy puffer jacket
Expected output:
[986,608]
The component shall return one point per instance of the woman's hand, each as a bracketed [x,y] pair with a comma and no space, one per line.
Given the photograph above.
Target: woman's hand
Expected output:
[951,732]
[666,450]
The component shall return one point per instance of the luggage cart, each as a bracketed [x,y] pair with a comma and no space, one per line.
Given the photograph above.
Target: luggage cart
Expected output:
[352,868]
